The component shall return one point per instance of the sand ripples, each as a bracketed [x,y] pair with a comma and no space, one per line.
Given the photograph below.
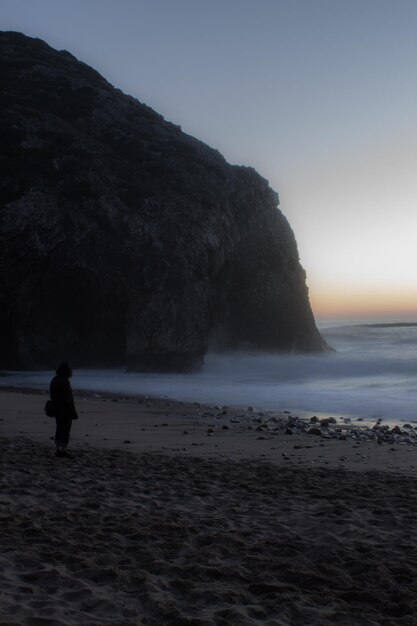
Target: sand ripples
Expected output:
[116,538]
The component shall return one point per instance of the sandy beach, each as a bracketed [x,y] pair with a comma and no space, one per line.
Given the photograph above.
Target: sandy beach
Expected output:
[175,513]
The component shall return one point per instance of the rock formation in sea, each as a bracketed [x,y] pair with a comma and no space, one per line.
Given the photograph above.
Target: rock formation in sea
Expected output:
[124,240]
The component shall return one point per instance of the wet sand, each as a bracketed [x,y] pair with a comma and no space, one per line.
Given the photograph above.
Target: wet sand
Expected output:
[166,517]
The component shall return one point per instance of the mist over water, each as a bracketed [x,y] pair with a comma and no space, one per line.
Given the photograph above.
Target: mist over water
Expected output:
[372,374]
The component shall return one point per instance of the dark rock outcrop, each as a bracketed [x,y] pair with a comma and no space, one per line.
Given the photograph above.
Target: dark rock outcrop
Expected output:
[124,240]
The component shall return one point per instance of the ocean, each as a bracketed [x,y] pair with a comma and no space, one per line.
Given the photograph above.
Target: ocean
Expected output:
[372,374]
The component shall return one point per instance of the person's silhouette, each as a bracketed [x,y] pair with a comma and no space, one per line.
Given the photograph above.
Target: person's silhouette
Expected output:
[61,396]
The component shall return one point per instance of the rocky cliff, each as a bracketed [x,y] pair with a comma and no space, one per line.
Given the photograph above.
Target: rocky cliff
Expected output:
[124,240]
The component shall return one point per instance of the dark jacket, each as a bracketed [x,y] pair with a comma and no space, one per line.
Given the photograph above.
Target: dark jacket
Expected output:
[61,396]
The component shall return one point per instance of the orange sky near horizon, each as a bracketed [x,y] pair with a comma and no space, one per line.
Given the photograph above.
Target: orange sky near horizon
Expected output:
[366,302]
[355,221]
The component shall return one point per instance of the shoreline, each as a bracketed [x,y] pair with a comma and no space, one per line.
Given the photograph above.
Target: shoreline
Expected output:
[354,384]
[145,424]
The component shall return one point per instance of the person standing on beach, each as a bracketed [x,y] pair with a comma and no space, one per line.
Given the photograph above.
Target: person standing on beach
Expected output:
[61,396]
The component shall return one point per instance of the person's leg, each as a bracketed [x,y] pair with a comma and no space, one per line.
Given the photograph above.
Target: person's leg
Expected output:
[59,435]
[66,432]
[62,434]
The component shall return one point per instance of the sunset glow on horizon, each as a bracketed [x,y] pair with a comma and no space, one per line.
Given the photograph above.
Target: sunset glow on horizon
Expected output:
[338,302]
[355,220]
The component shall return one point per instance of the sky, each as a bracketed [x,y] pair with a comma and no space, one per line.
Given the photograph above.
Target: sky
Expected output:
[320,96]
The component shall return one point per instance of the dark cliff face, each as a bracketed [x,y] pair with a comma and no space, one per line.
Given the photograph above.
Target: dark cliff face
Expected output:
[124,240]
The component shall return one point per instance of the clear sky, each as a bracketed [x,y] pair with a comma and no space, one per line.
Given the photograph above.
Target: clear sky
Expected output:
[320,96]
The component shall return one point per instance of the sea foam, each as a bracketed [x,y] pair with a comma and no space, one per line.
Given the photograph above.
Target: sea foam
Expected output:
[372,374]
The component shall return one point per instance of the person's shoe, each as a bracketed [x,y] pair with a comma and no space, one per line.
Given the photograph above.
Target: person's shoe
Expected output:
[60,453]
[67,454]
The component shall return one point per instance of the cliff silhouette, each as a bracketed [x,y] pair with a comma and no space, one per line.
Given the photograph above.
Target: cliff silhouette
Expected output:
[124,240]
